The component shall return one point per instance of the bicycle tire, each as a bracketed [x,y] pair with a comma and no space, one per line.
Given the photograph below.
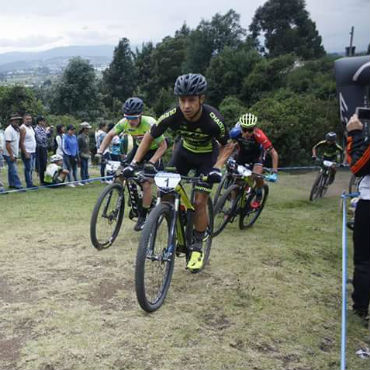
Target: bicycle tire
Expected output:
[244,213]
[324,185]
[218,227]
[150,297]
[353,184]
[207,242]
[115,214]
[316,188]
[226,181]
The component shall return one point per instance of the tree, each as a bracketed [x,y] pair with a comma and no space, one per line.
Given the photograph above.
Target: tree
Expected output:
[286,28]
[210,38]
[119,79]
[18,99]
[232,108]
[227,71]
[77,92]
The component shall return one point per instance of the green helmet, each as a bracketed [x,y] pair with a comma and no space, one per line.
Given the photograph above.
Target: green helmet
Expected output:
[247,120]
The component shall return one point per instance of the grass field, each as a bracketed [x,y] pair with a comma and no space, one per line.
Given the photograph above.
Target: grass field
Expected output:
[269,299]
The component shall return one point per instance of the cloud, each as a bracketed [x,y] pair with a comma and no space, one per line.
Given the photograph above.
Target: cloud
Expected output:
[30,41]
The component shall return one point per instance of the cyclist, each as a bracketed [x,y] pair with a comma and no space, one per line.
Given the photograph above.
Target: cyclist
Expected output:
[134,123]
[202,148]
[55,174]
[252,144]
[329,150]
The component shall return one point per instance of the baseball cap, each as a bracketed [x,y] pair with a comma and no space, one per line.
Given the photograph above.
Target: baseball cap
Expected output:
[14,117]
[70,127]
[85,125]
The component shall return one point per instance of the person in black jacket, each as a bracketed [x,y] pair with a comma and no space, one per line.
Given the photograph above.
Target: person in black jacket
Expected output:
[358,151]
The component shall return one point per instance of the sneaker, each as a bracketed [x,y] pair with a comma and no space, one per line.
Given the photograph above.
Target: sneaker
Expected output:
[140,223]
[196,260]
[71,185]
[80,184]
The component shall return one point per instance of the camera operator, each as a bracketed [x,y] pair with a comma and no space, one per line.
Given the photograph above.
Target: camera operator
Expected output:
[358,149]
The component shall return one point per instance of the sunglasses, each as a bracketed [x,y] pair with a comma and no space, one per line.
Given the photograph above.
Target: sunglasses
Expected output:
[131,118]
[248,129]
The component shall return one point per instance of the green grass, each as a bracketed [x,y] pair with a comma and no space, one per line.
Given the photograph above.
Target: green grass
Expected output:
[269,299]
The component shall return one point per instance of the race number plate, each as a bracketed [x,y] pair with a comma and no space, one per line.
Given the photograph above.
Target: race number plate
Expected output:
[328,163]
[244,171]
[167,180]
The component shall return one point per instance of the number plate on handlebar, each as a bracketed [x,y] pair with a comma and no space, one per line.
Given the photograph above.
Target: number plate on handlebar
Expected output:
[328,163]
[244,171]
[167,180]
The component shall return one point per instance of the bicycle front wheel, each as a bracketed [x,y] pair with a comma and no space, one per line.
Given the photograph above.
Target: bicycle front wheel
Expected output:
[107,216]
[316,188]
[155,259]
[225,209]
[248,214]
[226,181]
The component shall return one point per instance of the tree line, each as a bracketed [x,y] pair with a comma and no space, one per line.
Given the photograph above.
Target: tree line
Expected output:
[277,69]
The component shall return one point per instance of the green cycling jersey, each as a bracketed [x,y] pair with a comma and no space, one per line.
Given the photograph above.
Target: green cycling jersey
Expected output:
[329,151]
[138,132]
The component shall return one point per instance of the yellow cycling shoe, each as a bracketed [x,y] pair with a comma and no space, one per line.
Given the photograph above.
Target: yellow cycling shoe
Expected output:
[195,261]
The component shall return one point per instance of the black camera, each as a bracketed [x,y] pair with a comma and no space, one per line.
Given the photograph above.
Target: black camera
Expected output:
[363,114]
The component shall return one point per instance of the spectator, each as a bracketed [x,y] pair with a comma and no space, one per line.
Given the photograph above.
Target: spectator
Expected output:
[2,146]
[55,174]
[100,134]
[11,151]
[58,144]
[28,147]
[84,150]
[358,154]
[41,134]
[115,149]
[71,154]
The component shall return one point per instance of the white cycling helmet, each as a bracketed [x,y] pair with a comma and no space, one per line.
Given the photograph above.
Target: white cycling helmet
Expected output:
[55,158]
[248,120]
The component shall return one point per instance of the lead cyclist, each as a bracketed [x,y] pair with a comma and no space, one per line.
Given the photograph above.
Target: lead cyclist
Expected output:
[203,147]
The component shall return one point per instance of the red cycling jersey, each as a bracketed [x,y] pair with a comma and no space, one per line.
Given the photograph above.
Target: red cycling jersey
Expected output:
[262,139]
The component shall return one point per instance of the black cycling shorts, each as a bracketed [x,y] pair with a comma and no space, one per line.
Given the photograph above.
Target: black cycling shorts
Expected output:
[184,161]
[250,159]
[158,165]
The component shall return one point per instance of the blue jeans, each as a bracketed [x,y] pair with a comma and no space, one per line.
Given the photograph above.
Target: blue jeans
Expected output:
[29,166]
[13,178]
[84,168]
[70,162]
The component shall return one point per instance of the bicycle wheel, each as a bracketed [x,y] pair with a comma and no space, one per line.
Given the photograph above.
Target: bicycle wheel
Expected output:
[207,240]
[225,208]
[248,215]
[107,216]
[316,188]
[155,259]
[226,181]
[353,184]
[324,184]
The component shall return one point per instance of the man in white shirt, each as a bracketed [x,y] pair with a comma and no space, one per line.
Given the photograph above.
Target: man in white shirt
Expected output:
[28,146]
[11,150]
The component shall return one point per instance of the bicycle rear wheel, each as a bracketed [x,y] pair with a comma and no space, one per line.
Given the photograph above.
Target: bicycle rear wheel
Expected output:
[353,184]
[106,218]
[155,259]
[248,215]
[225,208]
[316,188]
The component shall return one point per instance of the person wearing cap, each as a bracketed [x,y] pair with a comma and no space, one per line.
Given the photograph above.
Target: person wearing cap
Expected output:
[42,133]
[84,149]
[71,154]
[11,151]
[28,147]
[55,173]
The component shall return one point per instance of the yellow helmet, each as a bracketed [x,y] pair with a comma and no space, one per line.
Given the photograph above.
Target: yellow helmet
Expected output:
[248,120]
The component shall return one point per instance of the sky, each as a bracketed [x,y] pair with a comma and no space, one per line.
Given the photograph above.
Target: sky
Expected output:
[43,24]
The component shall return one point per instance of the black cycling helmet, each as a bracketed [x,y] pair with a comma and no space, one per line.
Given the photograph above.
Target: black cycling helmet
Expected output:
[190,84]
[331,136]
[133,106]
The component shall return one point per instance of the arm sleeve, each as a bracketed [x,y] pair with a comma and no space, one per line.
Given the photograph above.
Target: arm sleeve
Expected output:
[358,153]
[262,139]
[163,123]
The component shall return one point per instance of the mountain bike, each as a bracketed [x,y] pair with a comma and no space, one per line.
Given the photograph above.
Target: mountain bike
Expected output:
[107,216]
[239,199]
[167,234]
[321,184]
